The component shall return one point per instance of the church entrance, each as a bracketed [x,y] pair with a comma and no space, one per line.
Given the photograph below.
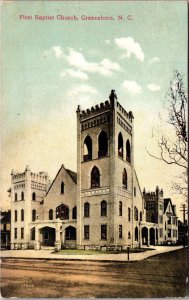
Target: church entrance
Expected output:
[48,236]
[70,236]
[152,236]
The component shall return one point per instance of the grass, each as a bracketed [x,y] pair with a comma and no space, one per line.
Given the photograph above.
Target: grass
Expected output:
[94,252]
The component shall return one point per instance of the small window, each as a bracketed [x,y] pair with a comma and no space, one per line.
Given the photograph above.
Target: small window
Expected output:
[32,234]
[136,233]
[33,215]
[135,191]
[120,145]
[62,188]
[86,232]
[120,208]
[120,232]
[103,232]
[124,179]
[22,233]
[128,151]
[15,197]
[140,216]
[15,215]
[50,214]
[135,213]
[129,235]
[22,215]
[74,213]
[15,233]
[103,208]
[33,196]
[22,196]
[95,177]
[129,214]
[86,210]
[87,149]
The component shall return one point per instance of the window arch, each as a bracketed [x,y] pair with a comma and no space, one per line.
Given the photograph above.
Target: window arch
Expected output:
[50,214]
[124,179]
[120,208]
[129,214]
[15,197]
[103,208]
[62,188]
[33,215]
[74,213]
[86,210]
[136,233]
[33,196]
[120,145]
[62,212]
[128,151]
[95,177]
[135,213]
[22,215]
[22,196]
[102,144]
[87,149]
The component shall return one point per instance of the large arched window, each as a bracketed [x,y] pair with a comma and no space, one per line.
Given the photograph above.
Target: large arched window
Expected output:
[22,196]
[87,149]
[95,177]
[128,151]
[124,179]
[86,210]
[50,214]
[129,214]
[74,213]
[120,208]
[33,196]
[15,197]
[33,215]
[62,212]
[136,233]
[22,215]
[120,145]
[102,144]
[135,214]
[62,188]
[103,208]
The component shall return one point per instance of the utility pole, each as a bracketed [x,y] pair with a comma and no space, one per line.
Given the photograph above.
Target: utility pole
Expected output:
[184,211]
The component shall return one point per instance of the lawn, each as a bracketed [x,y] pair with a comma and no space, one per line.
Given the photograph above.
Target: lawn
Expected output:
[96,252]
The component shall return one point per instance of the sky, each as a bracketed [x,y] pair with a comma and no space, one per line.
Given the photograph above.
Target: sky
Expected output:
[49,67]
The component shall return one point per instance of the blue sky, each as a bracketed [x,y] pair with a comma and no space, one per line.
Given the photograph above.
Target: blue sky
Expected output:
[49,67]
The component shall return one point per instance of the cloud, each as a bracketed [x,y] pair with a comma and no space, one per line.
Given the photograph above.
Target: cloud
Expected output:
[76,59]
[82,89]
[107,42]
[75,74]
[132,87]
[131,47]
[154,60]
[153,87]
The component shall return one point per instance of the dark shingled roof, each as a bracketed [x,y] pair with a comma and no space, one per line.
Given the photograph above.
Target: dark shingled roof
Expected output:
[72,174]
[6,217]
[166,202]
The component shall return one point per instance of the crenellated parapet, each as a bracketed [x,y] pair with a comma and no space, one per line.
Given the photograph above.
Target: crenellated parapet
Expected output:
[94,110]
[123,113]
[153,195]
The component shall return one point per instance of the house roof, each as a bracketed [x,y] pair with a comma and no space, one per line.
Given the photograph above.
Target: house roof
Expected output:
[5,217]
[166,202]
[72,174]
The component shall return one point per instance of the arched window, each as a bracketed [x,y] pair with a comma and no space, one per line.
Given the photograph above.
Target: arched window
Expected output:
[128,151]
[135,191]
[135,214]
[33,196]
[74,213]
[15,215]
[87,149]
[120,145]
[62,212]
[124,179]
[86,210]
[102,144]
[129,235]
[140,216]
[33,215]
[95,177]
[50,214]
[103,208]
[129,214]
[120,208]
[22,196]
[136,233]
[32,234]
[15,197]
[62,188]
[22,215]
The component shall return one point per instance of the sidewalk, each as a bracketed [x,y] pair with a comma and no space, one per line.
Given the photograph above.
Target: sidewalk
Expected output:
[122,257]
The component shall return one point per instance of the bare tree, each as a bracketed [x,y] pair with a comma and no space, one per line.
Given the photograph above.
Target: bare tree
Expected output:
[173,145]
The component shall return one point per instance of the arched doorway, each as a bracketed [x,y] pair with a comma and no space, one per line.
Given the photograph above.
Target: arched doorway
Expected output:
[70,236]
[145,236]
[48,236]
[152,236]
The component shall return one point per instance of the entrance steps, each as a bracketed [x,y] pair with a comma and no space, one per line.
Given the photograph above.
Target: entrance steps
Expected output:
[47,247]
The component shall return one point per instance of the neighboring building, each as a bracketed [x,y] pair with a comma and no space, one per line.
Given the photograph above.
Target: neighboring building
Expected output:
[183,232]
[100,206]
[5,229]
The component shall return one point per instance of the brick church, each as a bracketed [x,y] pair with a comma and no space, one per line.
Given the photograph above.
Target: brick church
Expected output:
[100,206]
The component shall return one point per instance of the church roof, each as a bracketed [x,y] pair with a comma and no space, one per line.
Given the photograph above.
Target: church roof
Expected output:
[166,202]
[72,174]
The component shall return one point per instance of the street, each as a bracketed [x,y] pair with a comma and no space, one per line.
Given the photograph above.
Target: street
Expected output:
[163,275]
